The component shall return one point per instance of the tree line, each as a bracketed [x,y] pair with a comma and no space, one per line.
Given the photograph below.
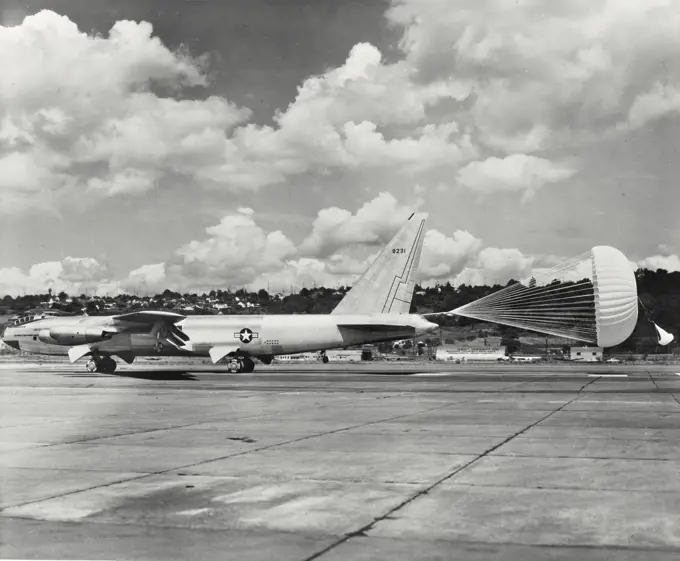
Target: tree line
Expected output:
[659,292]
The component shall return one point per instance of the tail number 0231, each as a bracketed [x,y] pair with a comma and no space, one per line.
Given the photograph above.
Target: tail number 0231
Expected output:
[399,250]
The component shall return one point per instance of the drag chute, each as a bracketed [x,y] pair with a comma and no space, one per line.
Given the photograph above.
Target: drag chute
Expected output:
[590,298]
[663,336]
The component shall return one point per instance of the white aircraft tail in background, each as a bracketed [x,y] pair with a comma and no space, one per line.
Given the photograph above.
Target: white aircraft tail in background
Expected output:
[387,285]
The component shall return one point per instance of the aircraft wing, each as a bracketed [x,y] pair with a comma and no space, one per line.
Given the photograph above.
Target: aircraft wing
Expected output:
[150,317]
[167,333]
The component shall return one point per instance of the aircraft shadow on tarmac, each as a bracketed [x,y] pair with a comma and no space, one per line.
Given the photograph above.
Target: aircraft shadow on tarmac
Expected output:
[159,375]
[165,375]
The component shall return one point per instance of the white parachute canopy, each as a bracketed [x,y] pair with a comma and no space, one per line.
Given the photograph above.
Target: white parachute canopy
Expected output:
[664,337]
[591,298]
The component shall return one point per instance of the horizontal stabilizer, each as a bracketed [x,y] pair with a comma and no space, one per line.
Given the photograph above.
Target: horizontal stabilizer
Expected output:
[376,327]
[433,314]
[79,351]
[219,352]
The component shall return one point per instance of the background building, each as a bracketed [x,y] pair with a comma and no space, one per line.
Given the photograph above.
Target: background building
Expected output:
[586,354]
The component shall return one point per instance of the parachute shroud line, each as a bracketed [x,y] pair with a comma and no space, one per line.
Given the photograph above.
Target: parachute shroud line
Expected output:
[590,298]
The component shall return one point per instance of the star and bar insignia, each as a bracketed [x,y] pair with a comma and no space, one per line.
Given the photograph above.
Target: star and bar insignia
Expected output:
[246,335]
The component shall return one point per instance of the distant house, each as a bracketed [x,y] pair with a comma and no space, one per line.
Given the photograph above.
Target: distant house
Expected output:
[524,358]
[301,357]
[586,354]
[473,354]
[345,355]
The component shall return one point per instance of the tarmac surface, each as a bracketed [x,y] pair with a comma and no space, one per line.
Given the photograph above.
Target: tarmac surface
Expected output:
[519,463]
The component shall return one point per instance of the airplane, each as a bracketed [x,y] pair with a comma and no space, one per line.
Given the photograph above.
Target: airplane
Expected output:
[375,309]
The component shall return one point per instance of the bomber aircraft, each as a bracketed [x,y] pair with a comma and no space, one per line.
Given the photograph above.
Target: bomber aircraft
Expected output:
[375,309]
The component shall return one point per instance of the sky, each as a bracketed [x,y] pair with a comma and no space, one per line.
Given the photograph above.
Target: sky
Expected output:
[200,144]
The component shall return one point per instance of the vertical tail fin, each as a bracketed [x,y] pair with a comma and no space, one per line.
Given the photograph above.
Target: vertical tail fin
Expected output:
[387,285]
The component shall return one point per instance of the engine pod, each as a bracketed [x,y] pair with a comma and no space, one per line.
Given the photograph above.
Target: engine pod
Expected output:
[73,335]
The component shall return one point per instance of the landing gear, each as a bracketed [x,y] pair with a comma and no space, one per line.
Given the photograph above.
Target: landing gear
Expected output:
[103,364]
[108,365]
[241,364]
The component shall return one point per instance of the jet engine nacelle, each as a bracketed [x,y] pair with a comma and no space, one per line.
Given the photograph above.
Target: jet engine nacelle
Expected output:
[73,335]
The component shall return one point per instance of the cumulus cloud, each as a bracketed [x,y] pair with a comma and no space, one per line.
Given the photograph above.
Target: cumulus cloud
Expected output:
[77,112]
[365,114]
[147,279]
[304,272]
[239,252]
[235,251]
[21,180]
[669,262]
[81,113]
[444,256]
[73,275]
[519,172]
[375,222]
[660,100]
[495,266]
[362,89]
[342,244]
[544,74]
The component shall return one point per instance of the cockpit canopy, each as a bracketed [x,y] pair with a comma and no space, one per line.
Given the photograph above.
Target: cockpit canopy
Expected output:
[32,316]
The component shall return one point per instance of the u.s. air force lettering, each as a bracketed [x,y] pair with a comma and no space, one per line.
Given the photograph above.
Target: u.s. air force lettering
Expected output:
[246,335]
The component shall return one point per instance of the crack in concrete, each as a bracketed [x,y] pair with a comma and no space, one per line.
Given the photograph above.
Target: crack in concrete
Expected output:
[673,396]
[361,532]
[653,381]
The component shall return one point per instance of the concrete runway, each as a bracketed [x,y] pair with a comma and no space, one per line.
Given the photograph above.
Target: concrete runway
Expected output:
[333,463]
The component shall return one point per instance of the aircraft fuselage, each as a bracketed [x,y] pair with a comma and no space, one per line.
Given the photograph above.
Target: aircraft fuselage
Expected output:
[254,335]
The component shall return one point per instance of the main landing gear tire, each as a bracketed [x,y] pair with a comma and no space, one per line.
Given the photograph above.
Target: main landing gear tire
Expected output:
[238,365]
[104,365]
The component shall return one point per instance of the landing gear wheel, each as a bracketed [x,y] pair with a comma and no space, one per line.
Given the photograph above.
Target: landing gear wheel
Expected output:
[325,359]
[103,364]
[248,365]
[107,365]
[235,366]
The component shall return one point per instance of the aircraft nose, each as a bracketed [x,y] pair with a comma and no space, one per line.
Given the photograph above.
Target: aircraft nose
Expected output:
[7,339]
